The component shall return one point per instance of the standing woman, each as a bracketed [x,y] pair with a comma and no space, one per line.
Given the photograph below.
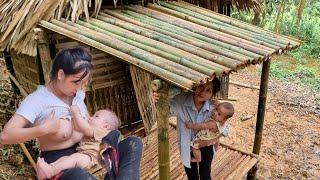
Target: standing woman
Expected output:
[195,107]
[44,114]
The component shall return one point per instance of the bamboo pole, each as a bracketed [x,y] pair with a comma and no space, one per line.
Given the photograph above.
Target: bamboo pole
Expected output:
[167,75]
[244,85]
[22,146]
[44,53]
[200,29]
[225,33]
[162,107]
[136,52]
[159,45]
[191,40]
[225,61]
[184,32]
[293,41]
[231,23]
[183,61]
[224,27]
[260,114]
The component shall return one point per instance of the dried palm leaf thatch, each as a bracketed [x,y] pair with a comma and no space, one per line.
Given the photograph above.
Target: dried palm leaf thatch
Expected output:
[242,5]
[247,5]
[19,17]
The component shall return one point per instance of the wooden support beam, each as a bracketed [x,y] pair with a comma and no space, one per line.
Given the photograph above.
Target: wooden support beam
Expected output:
[44,53]
[163,108]
[260,114]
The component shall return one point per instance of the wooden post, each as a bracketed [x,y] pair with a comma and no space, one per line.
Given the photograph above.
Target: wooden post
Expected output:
[260,114]
[162,107]
[44,53]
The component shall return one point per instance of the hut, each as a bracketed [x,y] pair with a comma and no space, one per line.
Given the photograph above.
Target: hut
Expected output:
[182,44]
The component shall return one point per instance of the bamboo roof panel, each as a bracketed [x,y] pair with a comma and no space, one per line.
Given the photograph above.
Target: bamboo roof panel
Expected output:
[229,163]
[181,43]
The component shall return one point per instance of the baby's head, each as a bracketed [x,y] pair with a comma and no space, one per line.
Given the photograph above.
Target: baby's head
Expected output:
[105,118]
[223,112]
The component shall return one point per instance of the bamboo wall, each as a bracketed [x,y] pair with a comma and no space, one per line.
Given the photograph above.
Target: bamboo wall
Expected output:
[27,71]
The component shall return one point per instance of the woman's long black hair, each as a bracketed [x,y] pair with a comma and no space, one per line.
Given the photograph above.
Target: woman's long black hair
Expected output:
[71,61]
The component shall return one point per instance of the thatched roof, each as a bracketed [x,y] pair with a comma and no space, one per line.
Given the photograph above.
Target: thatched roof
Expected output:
[246,5]
[177,41]
[19,17]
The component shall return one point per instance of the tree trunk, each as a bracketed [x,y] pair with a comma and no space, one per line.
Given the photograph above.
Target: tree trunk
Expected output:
[256,19]
[300,11]
[279,16]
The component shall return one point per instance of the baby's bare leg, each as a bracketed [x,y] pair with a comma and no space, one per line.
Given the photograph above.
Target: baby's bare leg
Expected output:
[196,154]
[65,162]
[72,161]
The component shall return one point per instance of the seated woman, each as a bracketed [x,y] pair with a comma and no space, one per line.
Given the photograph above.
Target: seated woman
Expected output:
[45,115]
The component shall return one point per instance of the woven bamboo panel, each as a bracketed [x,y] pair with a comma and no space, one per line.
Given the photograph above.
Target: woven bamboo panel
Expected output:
[118,98]
[229,163]
[26,69]
[141,82]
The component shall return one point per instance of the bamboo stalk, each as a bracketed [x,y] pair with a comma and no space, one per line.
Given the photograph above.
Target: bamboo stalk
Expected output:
[159,45]
[230,63]
[241,24]
[44,53]
[162,107]
[201,30]
[239,150]
[133,51]
[183,61]
[184,32]
[224,33]
[224,27]
[191,40]
[244,85]
[234,23]
[167,75]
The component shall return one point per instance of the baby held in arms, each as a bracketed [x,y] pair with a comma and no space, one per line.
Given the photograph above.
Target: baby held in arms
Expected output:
[210,129]
[89,150]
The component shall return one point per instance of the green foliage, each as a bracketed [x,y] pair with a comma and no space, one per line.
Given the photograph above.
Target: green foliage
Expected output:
[308,31]
[307,76]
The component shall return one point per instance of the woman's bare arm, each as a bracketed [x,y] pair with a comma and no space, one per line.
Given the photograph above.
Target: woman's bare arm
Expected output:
[16,130]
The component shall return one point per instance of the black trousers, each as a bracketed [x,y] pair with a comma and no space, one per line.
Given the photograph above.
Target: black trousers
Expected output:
[204,171]
[130,152]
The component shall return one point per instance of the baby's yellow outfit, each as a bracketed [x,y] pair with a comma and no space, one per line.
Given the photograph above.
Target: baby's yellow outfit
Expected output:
[91,147]
[208,134]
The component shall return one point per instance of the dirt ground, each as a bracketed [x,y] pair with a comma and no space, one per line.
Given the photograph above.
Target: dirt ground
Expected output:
[291,137]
